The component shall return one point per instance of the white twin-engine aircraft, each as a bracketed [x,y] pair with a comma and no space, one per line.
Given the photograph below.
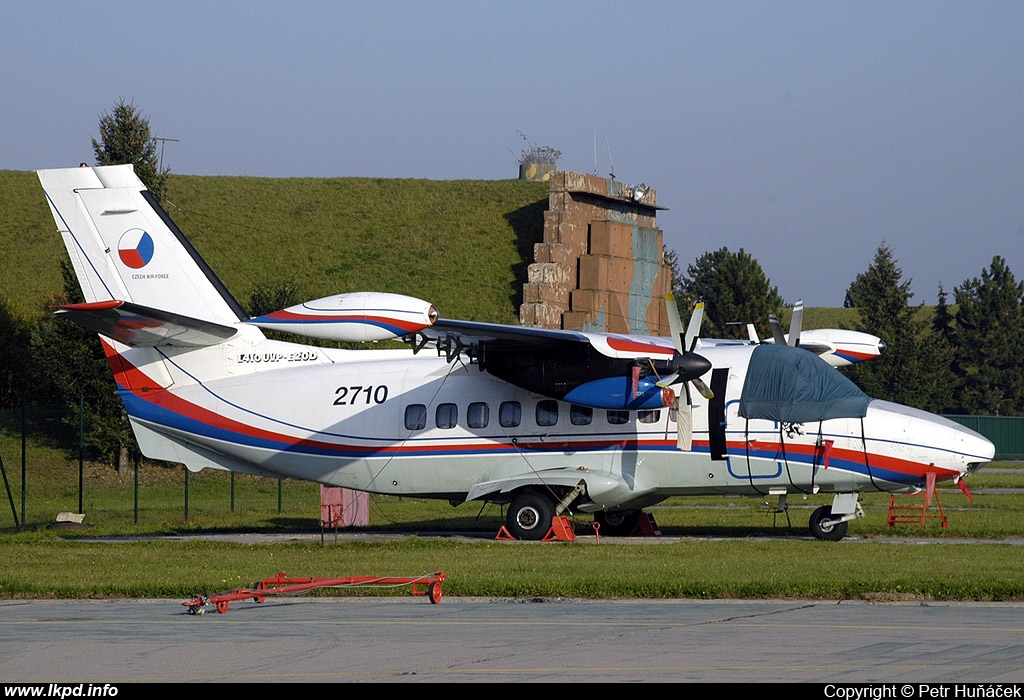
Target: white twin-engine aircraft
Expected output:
[544,422]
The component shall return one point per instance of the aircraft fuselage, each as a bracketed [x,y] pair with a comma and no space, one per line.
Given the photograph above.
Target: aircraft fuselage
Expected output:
[391,422]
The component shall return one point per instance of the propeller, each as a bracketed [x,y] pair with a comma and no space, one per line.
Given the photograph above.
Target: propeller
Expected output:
[794,326]
[689,366]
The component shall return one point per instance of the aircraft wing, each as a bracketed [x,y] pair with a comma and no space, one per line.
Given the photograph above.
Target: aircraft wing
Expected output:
[455,335]
[816,348]
[837,347]
[141,326]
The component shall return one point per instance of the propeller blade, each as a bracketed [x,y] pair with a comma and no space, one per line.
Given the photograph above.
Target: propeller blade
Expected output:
[684,428]
[675,325]
[796,322]
[794,326]
[703,388]
[693,329]
[669,380]
[777,334]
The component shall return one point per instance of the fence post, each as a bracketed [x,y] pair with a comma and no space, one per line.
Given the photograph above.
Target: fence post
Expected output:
[81,450]
[14,511]
[24,453]
[138,460]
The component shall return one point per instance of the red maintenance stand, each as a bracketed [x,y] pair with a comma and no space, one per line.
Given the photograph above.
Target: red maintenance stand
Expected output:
[282,584]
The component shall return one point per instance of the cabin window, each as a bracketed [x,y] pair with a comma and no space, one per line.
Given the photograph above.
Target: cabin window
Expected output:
[510,414]
[446,416]
[581,415]
[478,414]
[648,416]
[618,417]
[547,412]
[415,417]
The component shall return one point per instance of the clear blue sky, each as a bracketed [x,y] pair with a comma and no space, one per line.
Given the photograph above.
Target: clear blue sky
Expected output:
[806,133]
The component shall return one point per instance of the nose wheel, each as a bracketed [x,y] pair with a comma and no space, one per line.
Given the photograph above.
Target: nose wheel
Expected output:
[825,527]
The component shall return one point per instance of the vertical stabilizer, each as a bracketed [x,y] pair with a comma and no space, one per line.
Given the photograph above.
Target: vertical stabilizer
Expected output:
[125,247]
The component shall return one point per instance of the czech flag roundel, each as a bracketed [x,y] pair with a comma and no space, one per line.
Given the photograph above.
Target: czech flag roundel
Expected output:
[135,248]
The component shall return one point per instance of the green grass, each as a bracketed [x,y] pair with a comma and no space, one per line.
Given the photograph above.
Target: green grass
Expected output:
[37,566]
[30,247]
[731,547]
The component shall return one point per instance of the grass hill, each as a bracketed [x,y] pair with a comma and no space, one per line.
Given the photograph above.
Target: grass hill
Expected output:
[463,245]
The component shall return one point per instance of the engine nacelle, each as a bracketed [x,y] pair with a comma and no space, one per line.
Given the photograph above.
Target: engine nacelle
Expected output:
[843,347]
[353,317]
[622,393]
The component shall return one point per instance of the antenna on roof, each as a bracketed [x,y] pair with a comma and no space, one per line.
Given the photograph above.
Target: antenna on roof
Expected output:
[595,153]
[612,173]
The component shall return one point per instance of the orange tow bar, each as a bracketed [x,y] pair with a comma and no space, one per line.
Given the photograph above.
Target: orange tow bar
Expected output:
[282,584]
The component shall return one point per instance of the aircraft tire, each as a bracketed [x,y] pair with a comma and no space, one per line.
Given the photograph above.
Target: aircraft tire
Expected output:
[618,523]
[529,516]
[830,533]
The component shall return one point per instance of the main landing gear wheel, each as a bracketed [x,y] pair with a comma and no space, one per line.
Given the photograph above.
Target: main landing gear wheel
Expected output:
[618,523]
[529,516]
[822,531]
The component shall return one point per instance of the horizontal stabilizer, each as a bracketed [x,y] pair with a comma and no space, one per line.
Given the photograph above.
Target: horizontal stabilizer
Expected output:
[141,326]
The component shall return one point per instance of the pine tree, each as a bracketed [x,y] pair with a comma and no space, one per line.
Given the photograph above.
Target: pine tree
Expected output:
[735,291]
[942,321]
[989,342]
[905,372]
[944,382]
[125,138]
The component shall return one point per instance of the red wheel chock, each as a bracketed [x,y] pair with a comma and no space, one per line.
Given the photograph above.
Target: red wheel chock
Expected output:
[504,534]
[561,530]
[646,526]
[282,584]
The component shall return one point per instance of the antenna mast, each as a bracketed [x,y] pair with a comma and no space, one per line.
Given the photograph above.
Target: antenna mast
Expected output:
[612,173]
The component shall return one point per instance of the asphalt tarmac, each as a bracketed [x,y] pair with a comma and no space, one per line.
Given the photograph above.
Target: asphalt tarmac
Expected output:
[408,639]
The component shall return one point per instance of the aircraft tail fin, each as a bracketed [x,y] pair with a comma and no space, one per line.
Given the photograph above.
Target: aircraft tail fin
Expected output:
[124,246]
